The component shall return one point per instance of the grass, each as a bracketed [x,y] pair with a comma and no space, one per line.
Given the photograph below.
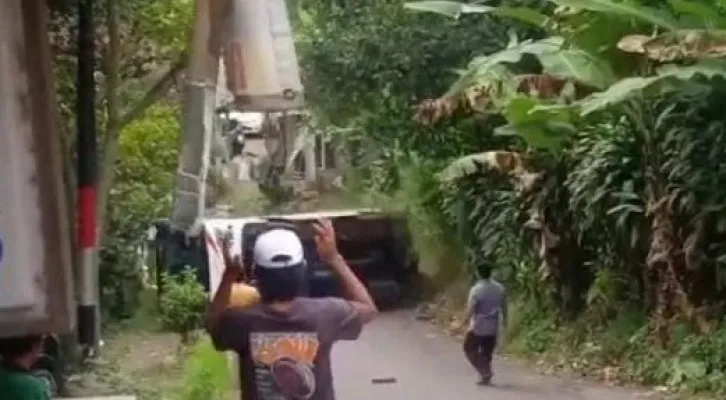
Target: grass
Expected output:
[205,375]
[620,351]
[139,359]
[165,372]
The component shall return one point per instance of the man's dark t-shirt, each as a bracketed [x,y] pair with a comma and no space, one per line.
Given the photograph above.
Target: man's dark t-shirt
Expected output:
[286,355]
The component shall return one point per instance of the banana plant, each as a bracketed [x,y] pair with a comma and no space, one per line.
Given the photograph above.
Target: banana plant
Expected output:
[573,62]
[627,60]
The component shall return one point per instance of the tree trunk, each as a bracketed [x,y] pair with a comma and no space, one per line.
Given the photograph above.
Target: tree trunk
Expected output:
[666,261]
[108,162]
[110,144]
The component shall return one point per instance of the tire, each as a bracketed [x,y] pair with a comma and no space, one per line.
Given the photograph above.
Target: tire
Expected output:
[387,294]
[413,287]
[49,380]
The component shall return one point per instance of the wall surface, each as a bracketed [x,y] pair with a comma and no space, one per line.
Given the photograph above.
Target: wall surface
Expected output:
[35,278]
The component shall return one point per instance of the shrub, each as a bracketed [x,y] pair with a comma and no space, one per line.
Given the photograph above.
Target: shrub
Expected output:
[182,304]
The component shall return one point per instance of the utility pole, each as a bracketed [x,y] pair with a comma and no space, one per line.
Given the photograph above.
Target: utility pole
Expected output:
[198,115]
[87,164]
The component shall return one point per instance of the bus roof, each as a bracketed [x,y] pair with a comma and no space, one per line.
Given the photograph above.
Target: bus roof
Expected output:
[235,222]
[323,214]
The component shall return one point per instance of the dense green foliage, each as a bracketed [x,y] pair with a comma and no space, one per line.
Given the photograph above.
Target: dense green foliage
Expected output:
[366,57]
[591,161]
[142,192]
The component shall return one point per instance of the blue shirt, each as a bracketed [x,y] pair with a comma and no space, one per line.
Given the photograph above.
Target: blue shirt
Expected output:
[488,304]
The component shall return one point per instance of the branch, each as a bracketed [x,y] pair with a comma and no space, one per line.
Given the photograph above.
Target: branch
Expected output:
[112,66]
[160,88]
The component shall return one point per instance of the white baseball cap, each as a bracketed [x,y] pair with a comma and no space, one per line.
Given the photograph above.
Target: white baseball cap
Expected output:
[278,248]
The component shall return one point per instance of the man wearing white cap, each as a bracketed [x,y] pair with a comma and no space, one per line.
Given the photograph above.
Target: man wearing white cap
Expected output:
[284,342]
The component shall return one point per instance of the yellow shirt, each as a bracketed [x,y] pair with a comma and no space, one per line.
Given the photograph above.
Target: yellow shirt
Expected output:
[243,295]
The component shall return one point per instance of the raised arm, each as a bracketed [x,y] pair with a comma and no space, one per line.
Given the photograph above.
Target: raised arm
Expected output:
[353,289]
[226,326]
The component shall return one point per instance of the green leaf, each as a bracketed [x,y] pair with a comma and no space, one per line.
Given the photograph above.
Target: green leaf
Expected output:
[540,128]
[622,90]
[578,65]
[524,109]
[519,110]
[489,68]
[669,78]
[481,76]
[452,9]
[523,14]
[455,9]
[515,53]
[506,130]
[463,166]
[625,209]
[624,9]
[686,370]
[710,69]
[709,16]
[467,165]
[545,136]
[306,18]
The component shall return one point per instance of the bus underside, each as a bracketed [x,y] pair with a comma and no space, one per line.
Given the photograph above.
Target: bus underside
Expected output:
[376,246]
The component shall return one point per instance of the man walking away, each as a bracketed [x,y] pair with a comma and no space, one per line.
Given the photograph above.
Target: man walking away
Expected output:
[284,341]
[486,311]
[17,356]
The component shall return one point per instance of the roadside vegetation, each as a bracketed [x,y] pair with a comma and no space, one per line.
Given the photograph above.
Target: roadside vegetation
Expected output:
[159,353]
[578,146]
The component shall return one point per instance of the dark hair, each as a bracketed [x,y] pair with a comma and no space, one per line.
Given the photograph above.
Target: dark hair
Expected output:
[484,269]
[13,348]
[281,284]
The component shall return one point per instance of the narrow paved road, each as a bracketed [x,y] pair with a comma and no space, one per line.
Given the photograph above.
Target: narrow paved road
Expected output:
[428,365]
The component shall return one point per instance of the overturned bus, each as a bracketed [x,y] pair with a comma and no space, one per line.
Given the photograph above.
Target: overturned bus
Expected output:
[376,245]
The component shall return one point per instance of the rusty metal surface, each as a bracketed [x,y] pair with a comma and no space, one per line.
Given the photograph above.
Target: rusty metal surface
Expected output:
[259,57]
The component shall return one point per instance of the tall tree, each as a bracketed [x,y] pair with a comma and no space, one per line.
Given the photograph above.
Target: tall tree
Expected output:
[141,56]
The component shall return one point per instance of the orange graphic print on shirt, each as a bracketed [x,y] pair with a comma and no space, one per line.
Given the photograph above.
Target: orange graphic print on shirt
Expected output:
[284,364]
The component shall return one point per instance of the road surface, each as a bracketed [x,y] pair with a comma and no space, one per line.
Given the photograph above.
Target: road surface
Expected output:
[428,365]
